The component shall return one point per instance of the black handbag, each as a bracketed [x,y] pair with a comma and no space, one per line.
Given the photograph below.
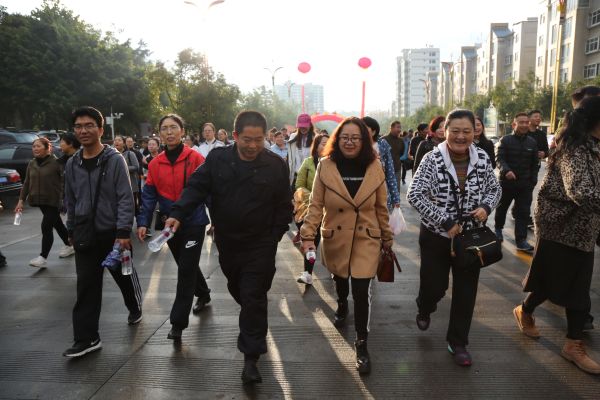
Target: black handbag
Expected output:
[476,247]
[84,226]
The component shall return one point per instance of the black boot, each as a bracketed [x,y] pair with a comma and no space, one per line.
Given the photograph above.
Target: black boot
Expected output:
[341,314]
[363,361]
[175,334]
[250,374]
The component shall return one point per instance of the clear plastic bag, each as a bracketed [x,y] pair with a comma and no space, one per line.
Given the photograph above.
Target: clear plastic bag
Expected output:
[397,222]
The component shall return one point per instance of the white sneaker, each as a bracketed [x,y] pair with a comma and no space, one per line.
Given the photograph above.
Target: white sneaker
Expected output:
[66,251]
[305,278]
[39,262]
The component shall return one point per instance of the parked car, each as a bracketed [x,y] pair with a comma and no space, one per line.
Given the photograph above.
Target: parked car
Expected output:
[52,136]
[10,187]
[17,156]
[16,137]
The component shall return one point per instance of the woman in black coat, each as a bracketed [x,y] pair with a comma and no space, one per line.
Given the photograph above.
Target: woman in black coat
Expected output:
[483,142]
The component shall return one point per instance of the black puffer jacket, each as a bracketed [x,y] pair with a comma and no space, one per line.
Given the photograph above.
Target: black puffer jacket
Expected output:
[424,147]
[518,153]
[487,145]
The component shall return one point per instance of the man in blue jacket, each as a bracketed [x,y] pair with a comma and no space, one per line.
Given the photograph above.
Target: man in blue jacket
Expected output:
[97,169]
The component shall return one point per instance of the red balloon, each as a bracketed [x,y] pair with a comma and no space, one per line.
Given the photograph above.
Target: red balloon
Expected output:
[364,62]
[304,67]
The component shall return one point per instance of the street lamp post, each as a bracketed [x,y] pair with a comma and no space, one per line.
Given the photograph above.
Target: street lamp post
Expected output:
[272,72]
[427,93]
[111,121]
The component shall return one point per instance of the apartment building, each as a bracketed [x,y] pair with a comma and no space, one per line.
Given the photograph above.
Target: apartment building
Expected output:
[412,67]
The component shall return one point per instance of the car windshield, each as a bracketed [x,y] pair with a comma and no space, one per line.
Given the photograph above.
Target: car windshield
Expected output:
[25,137]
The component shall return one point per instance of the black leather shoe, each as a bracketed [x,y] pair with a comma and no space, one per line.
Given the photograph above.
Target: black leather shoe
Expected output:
[363,360]
[201,303]
[341,314]
[174,334]
[250,374]
[423,321]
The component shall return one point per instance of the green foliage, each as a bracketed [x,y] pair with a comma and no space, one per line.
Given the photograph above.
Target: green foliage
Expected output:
[423,115]
[277,111]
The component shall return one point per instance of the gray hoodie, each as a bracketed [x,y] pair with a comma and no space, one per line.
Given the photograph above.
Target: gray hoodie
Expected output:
[115,208]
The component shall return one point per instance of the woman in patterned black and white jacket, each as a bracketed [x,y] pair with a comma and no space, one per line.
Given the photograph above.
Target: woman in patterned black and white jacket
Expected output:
[454,171]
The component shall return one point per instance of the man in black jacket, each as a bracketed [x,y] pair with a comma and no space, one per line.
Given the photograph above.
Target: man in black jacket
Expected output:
[420,135]
[251,206]
[517,160]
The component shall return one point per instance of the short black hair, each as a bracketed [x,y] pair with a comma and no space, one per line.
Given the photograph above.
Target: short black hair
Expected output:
[394,123]
[71,140]
[422,126]
[88,111]
[249,118]
[586,91]
[178,120]
[530,113]
[373,124]
[520,114]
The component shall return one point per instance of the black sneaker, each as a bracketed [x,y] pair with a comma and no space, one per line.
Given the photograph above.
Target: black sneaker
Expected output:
[460,355]
[201,303]
[524,246]
[341,314]
[363,360]
[250,374]
[423,321]
[134,317]
[499,235]
[82,348]
[175,334]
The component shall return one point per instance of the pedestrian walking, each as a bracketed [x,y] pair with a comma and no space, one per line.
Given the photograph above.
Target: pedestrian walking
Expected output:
[167,176]
[349,201]
[454,185]
[43,188]
[384,153]
[133,167]
[436,135]
[304,186]
[517,161]
[406,164]
[420,135]
[251,205]
[567,223]
[481,141]
[210,140]
[279,147]
[397,147]
[100,213]
[223,137]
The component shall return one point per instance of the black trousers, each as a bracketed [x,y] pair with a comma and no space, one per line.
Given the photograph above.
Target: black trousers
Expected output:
[250,268]
[436,263]
[575,318]
[86,312]
[522,197]
[186,247]
[361,294]
[51,220]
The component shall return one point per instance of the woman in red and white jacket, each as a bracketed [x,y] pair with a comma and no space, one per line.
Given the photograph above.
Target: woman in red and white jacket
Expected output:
[167,176]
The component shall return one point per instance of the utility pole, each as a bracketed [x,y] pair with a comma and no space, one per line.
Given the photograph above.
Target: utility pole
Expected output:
[562,8]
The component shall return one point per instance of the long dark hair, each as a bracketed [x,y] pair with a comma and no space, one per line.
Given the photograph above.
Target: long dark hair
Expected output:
[332,148]
[314,148]
[309,137]
[579,125]
[482,136]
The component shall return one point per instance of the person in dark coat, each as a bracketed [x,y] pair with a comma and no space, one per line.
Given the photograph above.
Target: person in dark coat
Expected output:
[251,206]
[567,222]
[483,142]
[435,136]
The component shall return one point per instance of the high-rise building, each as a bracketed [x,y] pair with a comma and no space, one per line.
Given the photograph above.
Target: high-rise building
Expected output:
[491,57]
[464,73]
[579,56]
[523,49]
[412,67]
[291,93]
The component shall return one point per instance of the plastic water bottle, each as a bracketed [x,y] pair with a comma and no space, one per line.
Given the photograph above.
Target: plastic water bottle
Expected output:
[126,263]
[113,259]
[311,256]
[18,215]
[156,244]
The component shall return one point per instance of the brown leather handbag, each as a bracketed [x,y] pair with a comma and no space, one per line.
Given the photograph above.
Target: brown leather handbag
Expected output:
[385,268]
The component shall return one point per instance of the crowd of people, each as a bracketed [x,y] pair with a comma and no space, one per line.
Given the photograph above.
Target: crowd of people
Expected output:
[340,190]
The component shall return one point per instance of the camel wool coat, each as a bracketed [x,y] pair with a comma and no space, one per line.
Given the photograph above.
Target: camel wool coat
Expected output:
[352,229]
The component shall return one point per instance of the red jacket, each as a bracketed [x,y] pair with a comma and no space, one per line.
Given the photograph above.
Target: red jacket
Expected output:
[165,182]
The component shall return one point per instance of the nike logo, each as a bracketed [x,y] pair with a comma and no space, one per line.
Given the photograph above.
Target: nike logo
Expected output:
[190,244]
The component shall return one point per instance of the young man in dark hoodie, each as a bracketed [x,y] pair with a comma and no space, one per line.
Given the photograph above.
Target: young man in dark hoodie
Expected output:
[113,219]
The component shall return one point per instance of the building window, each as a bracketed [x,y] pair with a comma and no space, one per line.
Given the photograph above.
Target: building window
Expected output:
[540,61]
[552,56]
[594,18]
[516,57]
[516,38]
[540,40]
[567,27]
[584,3]
[564,72]
[553,35]
[590,71]
[507,76]
[591,45]
[508,60]
[551,78]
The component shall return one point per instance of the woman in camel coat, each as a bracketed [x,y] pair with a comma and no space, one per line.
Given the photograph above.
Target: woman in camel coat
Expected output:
[349,198]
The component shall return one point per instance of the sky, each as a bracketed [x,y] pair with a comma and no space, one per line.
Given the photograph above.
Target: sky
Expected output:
[243,37]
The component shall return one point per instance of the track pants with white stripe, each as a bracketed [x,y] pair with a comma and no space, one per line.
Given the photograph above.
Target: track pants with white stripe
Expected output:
[361,293]
[86,312]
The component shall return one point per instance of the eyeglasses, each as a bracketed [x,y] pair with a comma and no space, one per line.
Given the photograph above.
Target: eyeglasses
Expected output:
[88,127]
[353,139]
[172,128]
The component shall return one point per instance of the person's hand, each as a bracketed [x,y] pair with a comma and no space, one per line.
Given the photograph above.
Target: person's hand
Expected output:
[511,176]
[410,157]
[173,224]
[307,245]
[397,205]
[479,214]
[455,230]
[125,243]
[19,207]
[387,244]
[141,233]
